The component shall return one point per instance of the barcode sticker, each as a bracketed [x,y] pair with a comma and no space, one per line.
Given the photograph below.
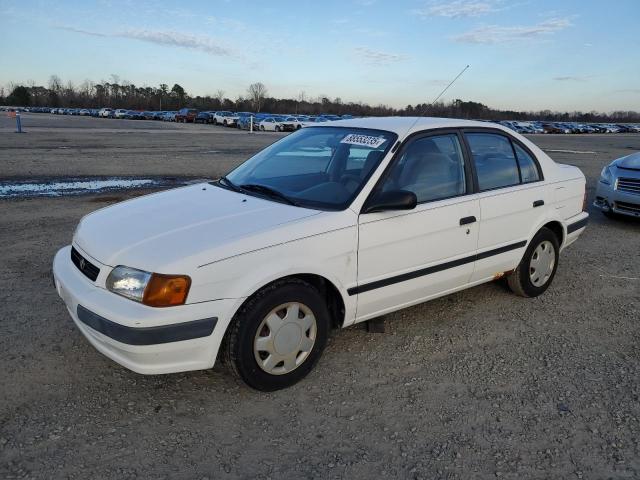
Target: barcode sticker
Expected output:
[363,140]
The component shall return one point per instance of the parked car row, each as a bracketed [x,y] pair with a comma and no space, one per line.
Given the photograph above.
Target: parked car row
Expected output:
[286,123]
[569,127]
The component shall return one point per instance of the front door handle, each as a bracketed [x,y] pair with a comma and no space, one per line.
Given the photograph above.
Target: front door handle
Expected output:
[467,220]
[538,203]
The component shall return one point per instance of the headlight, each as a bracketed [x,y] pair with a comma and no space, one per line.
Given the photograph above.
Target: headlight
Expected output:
[606,176]
[152,289]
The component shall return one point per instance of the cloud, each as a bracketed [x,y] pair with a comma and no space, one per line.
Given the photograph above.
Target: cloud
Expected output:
[375,57]
[202,43]
[84,32]
[169,38]
[573,78]
[456,9]
[492,34]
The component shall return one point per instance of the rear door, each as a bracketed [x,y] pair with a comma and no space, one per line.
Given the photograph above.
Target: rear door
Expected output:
[512,199]
[405,257]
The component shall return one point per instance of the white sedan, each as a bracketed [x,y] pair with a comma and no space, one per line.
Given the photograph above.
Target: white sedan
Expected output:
[333,225]
[278,124]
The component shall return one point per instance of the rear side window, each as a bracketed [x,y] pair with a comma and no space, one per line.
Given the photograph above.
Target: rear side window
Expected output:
[494,160]
[528,168]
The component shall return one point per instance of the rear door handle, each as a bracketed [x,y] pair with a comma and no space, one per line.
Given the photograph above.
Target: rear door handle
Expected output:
[467,220]
[538,203]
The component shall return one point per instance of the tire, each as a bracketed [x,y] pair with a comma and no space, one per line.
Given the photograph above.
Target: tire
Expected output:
[262,128]
[277,128]
[250,324]
[529,281]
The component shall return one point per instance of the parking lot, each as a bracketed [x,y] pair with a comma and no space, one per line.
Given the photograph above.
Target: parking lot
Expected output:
[479,384]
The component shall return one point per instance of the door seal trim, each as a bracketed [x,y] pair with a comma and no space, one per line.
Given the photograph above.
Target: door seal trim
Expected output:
[385,282]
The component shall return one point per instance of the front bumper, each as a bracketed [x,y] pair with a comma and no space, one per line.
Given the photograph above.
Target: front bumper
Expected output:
[144,339]
[611,200]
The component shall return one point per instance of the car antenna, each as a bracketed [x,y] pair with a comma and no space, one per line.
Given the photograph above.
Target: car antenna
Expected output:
[447,87]
[436,99]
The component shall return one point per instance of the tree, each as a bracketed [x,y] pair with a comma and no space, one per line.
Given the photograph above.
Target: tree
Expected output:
[219,98]
[55,84]
[257,92]
[163,89]
[302,96]
[179,93]
[19,97]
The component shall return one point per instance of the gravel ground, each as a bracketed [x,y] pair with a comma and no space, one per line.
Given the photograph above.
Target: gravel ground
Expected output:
[479,384]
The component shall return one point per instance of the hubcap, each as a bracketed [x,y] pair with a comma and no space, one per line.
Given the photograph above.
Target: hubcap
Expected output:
[285,338]
[542,262]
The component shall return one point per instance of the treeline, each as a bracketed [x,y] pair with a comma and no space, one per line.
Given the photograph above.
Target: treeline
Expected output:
[118,93]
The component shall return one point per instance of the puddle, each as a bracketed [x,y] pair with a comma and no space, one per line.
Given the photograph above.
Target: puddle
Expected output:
[82,186]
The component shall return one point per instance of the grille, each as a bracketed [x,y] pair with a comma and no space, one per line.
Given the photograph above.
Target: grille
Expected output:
[85,266]
[628,207]
[629,185]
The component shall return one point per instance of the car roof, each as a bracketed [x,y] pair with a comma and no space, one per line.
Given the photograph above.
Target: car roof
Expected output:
[407,125]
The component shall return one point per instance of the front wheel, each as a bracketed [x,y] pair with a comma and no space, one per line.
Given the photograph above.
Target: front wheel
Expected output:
[278,335]
[277,128]
[538,266]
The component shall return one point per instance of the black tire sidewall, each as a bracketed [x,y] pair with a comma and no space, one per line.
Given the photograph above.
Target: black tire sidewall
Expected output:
[529,288]
[251,318]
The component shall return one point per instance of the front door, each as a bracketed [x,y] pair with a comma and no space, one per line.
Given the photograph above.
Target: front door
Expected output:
[405,257]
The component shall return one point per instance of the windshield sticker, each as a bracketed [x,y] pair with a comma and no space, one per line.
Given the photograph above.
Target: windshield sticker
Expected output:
[363,140]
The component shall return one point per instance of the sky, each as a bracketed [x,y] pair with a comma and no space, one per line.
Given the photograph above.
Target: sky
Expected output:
[523,55]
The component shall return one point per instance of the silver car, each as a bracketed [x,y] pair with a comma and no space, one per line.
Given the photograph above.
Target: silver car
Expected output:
[618,190]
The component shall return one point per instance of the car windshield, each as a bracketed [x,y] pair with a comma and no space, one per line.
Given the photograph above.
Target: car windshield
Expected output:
[316,167]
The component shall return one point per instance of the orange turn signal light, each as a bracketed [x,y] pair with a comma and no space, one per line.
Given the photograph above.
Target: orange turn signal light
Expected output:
[166,290]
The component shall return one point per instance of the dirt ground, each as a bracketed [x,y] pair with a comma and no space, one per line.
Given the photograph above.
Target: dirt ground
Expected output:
[479,384]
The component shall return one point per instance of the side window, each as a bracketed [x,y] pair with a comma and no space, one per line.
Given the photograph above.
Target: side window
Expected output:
[431,167]
[495,162]
[528,168]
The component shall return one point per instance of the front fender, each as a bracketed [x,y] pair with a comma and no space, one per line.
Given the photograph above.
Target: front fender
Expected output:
[332,255]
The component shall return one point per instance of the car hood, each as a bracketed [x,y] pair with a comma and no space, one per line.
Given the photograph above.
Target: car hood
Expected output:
[630,162]
[182,228]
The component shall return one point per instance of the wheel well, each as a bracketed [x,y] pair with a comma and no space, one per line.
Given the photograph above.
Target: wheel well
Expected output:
[334,299]
[556,228]
[327,289]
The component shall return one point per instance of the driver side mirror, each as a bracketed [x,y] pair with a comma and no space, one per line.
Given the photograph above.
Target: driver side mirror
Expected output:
[392,200]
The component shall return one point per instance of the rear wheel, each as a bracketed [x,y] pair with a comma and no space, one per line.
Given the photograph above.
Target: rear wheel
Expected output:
[538,266]
[277,337]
